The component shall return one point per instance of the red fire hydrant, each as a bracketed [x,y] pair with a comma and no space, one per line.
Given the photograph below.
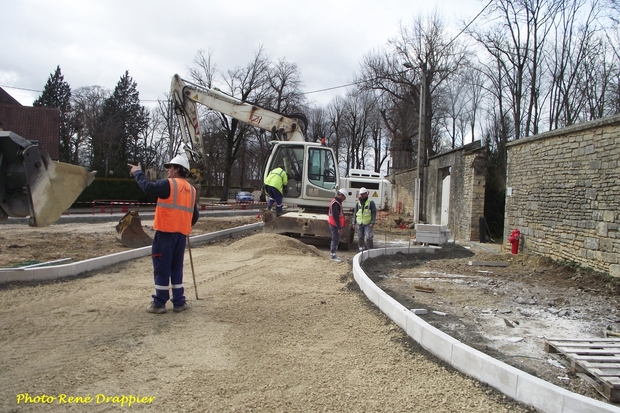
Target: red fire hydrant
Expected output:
[514,240]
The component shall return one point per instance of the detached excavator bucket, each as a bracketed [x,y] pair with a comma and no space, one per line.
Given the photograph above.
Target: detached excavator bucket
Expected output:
[130,233]
[33,185]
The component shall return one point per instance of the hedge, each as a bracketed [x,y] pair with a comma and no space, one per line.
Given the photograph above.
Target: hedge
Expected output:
[114,189]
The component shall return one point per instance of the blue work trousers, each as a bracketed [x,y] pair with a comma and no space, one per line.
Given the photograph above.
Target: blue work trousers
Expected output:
[168,252]
[275,196]
[333,246]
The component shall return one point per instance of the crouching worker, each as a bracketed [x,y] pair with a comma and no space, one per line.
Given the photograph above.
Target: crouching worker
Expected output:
[175,214]
[364,216]
[274,185]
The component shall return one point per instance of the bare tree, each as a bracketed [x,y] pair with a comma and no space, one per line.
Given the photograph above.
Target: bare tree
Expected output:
[87,103]
[427,46]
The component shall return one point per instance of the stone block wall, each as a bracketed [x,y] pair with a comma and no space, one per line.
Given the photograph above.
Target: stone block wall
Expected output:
[467,187]
[563,194]
[404,190]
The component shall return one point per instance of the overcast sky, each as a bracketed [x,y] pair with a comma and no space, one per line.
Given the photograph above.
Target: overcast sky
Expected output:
[94,42]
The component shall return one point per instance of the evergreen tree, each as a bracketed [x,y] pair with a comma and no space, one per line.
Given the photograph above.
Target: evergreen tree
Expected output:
[57,94]
[122,123]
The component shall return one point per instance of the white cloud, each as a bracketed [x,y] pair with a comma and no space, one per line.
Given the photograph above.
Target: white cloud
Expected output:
[94,42]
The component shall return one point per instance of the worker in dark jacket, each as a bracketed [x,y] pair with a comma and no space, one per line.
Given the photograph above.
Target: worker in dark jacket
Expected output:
[337,222]
[364,216]
[175,214]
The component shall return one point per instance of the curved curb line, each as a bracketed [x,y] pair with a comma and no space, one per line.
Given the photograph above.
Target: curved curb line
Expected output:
[511,381]
[9,275]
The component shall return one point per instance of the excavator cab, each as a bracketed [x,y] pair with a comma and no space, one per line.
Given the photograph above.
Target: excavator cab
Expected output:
[310,168]
[312,182]
[33,185]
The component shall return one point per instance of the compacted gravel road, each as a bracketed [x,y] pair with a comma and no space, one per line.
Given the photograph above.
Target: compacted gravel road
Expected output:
[278,328]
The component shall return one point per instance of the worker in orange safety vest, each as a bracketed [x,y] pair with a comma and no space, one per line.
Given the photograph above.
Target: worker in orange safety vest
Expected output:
[337,221]
[175,214]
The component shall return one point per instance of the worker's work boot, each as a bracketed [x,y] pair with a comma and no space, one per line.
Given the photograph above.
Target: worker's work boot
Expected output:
[155,309]
[181,308]
[335,258]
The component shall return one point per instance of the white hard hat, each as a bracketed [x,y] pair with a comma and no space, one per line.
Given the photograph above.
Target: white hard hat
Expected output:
[179,161]
[342,191]
[363,191]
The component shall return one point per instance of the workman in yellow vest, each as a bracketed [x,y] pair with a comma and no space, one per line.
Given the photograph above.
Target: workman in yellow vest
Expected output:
[274,185]
[175,214]
[364,216]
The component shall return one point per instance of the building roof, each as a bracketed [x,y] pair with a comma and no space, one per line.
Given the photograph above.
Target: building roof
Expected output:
[7,99]
[34,124]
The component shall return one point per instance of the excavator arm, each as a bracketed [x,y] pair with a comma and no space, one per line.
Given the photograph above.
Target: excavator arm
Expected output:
[186,95]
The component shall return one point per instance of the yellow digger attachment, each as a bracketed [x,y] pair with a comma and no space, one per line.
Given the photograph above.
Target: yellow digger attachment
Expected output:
[130,233]
[33,185]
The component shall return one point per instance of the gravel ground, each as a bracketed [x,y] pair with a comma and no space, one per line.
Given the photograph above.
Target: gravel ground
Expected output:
[278,328]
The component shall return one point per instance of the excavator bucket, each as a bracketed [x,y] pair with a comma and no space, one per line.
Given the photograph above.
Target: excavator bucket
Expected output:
[267,215]
[33,185]
[130,233]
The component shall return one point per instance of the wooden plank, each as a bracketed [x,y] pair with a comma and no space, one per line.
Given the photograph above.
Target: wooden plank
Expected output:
[577,340]
[591,351]
[423,289]
[588,344]
[601,358]
[605,372]
[602,365]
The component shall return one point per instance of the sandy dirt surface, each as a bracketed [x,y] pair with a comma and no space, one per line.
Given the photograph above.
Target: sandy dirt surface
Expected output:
[279,328]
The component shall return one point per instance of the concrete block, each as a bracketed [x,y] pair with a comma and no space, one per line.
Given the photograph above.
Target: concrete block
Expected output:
[438,342]
[576,403]
[430,228]
[415,327]
[373,293]
[388,305]
[400,317]
[467,360]
[499,375]
[533,391]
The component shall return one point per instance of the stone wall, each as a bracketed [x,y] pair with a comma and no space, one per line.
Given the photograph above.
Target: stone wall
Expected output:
[563,194]
[466,167]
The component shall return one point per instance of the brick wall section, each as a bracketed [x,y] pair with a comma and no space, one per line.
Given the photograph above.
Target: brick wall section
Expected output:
[467,186]
[566,194]
[34,124]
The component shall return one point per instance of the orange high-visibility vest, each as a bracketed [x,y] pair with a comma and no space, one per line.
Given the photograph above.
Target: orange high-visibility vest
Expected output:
[174,214]
[330,217]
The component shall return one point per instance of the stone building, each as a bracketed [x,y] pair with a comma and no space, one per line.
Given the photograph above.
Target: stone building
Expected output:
[452,191]
[563,194]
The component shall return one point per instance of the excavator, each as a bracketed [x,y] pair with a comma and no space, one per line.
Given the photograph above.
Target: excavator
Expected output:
[311,166]
[33,185]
